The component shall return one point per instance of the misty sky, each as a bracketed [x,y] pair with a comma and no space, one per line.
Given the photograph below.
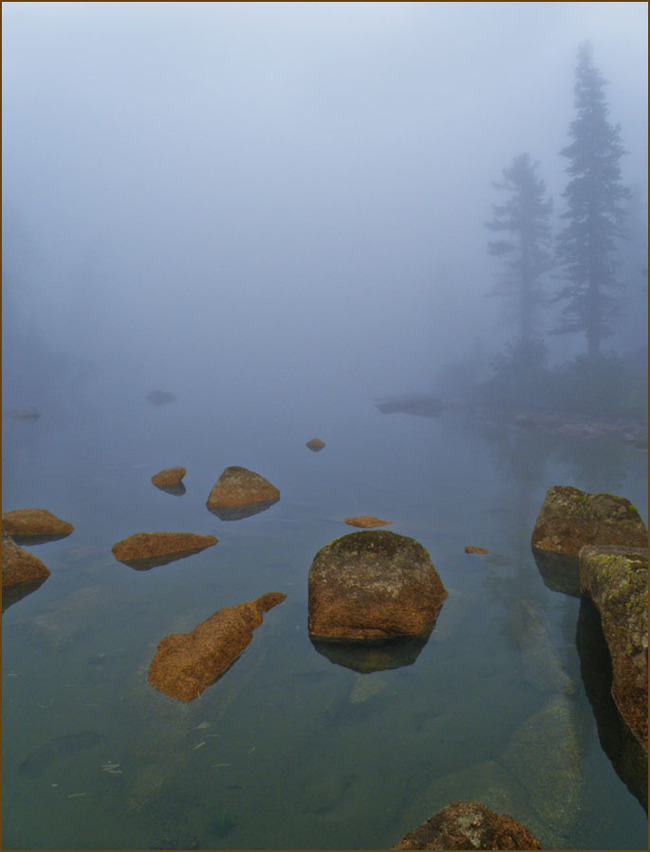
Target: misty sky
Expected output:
[278,194]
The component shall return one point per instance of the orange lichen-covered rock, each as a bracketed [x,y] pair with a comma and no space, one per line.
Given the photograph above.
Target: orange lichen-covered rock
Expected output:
[186,663]
[160,547]
[19,566]
[315,444]
[570,518]
[34,524]
[469,825]
[471,549]
[373,585]
[366,522]
[238,486]
[168,477]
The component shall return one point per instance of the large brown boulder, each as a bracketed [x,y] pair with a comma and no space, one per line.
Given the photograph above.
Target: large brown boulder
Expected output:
[616,581]
[19,566]
[373,585]
[237,487]
[144,550]
[34,525]
[186,663]
[469,825]
[169,477]
[570,519]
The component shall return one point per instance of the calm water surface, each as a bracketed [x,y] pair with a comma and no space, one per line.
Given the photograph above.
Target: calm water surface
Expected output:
[290,750]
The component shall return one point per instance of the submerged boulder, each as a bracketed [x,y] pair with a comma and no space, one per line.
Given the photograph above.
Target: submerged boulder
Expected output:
[34,525]
[144,550]
[373,585]
[616,581]
[160,397]
[19,566]
[239,487]
[186,663]
[570,518]
[469,825]
[169,477]
[28,414]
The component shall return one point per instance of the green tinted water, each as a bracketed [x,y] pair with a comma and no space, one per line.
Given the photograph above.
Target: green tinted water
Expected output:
[289,749]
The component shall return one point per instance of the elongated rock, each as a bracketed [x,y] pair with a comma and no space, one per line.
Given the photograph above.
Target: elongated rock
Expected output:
[34,524]
[163,546]
[186,663]
[616,581]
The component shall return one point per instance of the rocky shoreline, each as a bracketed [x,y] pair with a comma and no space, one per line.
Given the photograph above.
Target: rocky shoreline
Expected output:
[571,424]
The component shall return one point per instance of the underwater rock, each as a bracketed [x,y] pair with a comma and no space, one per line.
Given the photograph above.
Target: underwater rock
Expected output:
[373,585]
[366,521]
[570,518]
[542,667]
[425,406]
[19,566]
[316,445]
[27,414]
[186,663]
[33,526]
[144,550]
[615,579]
[169,477]
[159,397]
[546,756]
[469,825]
[238,487]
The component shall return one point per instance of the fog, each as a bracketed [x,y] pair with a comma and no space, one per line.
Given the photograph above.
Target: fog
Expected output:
[278,200]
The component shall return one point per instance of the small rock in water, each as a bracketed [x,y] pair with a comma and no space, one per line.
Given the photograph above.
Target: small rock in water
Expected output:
[315,444]
[471,549]
[366,522]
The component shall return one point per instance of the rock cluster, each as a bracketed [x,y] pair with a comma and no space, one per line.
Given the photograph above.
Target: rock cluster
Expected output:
[469,825]
[615,579]
[186,663]
[570,518]
[144,550]
[373,585]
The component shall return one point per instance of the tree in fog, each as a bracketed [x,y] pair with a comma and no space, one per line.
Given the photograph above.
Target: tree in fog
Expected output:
[524,248]
[594,213]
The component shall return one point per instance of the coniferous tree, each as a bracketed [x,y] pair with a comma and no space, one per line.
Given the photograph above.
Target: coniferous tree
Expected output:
[594,197]
[525,249]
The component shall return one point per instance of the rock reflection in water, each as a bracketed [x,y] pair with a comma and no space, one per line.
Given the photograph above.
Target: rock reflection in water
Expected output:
[619,744]
[559,571]
[236,513]
[366,657]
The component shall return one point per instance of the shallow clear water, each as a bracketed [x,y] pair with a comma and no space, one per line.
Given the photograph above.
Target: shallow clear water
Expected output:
[290,750]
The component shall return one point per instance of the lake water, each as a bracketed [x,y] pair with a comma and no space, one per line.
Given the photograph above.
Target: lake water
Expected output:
[289,749]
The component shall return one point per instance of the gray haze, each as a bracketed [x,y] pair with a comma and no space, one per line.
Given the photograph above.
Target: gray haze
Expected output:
[285,200]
